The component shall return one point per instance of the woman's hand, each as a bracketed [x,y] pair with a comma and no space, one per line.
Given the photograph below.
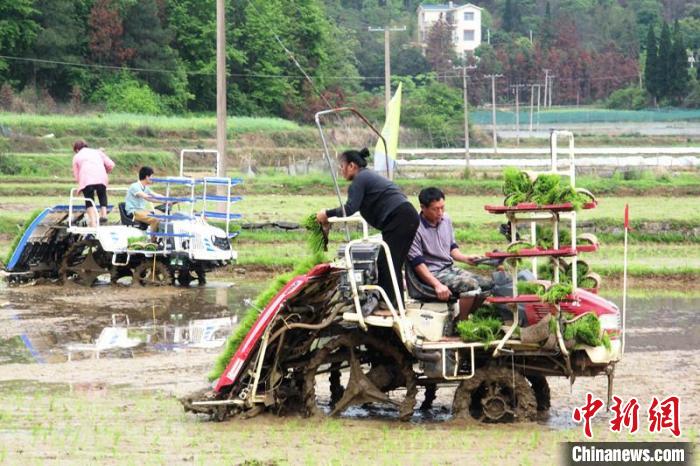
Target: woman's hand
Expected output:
[321,217]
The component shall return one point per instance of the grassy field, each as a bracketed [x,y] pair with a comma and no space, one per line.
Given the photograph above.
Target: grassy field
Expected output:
[476,229]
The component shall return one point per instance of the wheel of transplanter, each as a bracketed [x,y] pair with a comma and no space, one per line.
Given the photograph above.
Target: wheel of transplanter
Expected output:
[376,366]
[84,262]
[541,388]
[184,277]
[496,394]
[117,272]
[149,273]
[201,274]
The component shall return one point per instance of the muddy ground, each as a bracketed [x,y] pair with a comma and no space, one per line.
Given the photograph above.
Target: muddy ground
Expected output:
[36,324]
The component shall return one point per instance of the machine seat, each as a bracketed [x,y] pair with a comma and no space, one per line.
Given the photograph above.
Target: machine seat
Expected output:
[128,220]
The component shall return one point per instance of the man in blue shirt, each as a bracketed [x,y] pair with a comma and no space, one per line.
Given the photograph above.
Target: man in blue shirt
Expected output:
[434,250]
[138,196]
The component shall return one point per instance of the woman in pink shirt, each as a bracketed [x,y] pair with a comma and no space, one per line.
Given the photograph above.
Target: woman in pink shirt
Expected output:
[90,168]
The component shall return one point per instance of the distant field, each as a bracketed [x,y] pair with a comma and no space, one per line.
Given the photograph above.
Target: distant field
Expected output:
[462,209]
[585,115]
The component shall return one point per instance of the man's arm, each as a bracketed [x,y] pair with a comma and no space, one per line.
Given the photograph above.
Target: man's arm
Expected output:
[426,276]
[457,255]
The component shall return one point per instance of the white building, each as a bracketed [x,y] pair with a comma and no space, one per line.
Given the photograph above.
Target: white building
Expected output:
[465,20]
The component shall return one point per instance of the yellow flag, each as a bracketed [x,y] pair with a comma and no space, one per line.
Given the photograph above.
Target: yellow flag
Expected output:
[390,132]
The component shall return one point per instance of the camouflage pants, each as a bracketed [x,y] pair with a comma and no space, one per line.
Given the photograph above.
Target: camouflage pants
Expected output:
[460,281]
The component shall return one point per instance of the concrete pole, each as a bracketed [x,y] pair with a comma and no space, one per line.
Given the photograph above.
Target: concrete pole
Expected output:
[221,86]
[532,104]
[546,82]
[551,85]
[517,115]
[539,88]
[493,109]
[466,117]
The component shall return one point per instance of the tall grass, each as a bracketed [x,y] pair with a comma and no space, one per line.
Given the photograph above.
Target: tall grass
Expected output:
[103,123]
[60,165]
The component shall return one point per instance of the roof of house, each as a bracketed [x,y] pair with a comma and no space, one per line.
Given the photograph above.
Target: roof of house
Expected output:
[446,6]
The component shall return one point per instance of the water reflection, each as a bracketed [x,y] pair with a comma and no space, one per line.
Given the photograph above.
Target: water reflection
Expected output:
[40,325]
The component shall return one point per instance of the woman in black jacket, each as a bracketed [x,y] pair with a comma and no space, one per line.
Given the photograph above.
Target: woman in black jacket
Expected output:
[382,204]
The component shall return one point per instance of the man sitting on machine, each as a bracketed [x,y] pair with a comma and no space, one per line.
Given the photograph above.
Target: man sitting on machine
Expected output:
[137,197]
[434,251]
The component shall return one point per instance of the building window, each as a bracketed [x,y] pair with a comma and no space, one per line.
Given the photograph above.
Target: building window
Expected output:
[468,35]
[468,16]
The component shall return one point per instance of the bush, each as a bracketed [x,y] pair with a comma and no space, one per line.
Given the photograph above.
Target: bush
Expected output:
[630,98]
[127,95]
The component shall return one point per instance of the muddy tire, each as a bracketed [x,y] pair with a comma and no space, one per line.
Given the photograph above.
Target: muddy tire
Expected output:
[542,393]
[390,369]
[145,275]
[117,272]
[83,263]
[495,395]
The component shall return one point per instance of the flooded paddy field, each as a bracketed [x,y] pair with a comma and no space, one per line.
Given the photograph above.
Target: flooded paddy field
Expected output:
[122,407]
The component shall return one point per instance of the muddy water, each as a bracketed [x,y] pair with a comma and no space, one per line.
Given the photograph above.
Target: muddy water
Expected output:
[661,323]
[37,324]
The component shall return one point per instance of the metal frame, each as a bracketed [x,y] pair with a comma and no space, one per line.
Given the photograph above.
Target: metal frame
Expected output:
[327,155]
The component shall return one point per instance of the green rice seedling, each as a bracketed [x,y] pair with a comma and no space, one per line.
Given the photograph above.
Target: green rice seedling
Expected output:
[253,313]
[516,182]
[316,239]
[545,189]
[484,330]
[557,292]
[19,234]
[585,329]
[530,288]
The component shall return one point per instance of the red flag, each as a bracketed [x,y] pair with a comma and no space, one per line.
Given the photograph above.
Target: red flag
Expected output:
[627,216]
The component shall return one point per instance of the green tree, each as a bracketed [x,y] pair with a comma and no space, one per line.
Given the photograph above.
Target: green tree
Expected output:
[664,63]
[149,42]
[511,16]
[547,27]
[678,70]
[194,25]
[62,37]
[651,69]
[18,29]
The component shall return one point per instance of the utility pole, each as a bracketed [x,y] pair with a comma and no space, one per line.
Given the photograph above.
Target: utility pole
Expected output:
[387,60]
[466,113]
[539,87]
[221,87]
[493,108]
[546,82]
[517,111]
[551,85]
[532,102]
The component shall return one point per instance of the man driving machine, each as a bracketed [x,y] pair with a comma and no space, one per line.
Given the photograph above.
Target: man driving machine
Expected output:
[434,251]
